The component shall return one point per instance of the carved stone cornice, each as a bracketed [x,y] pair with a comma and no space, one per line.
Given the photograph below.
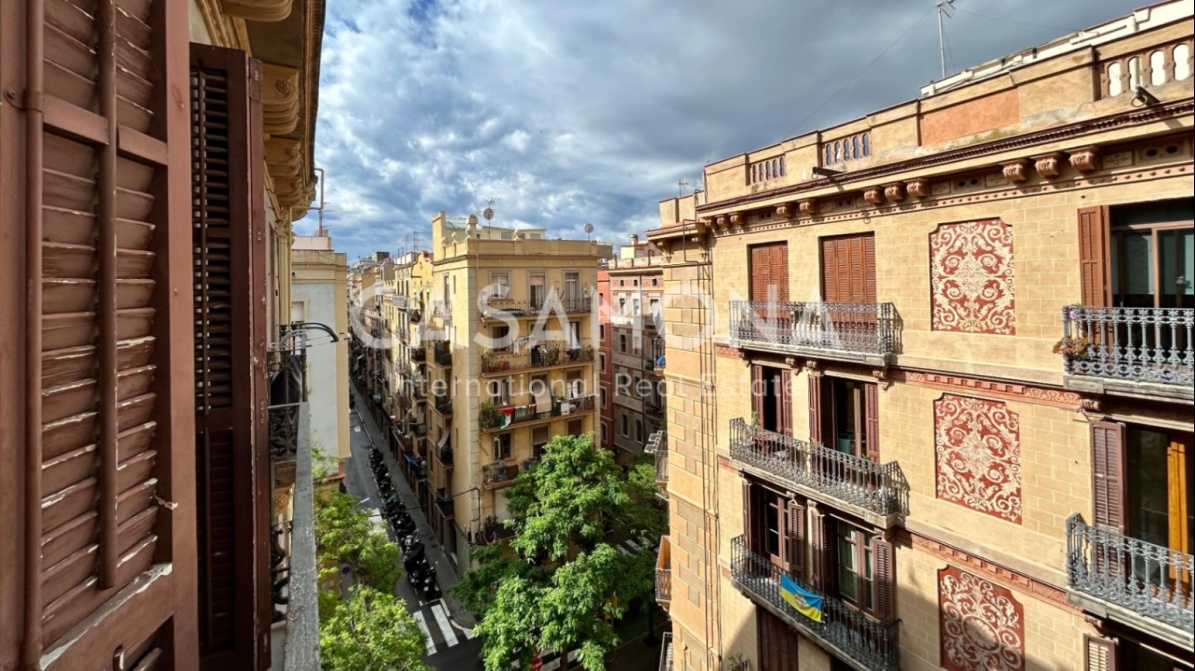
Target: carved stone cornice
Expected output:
[1016,171]
[1049,165]
[918,188]
[279,99]
[258,10]
[895,191]
[1085,159]
[874,195]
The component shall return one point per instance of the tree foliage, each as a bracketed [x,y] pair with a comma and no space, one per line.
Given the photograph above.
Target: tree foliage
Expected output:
[371,631]
[345,535]
[566,584]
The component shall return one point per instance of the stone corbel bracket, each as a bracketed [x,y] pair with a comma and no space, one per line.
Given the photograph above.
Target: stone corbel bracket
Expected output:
[279,99]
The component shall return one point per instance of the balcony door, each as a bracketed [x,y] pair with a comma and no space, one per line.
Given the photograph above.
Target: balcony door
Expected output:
[771,392]
[768,268]
[777,643]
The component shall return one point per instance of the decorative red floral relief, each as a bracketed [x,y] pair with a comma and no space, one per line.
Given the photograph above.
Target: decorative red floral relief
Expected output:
[977,444]
[971,268]
[982,624]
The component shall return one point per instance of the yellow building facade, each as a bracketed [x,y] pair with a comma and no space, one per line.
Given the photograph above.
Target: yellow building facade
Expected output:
[930,376]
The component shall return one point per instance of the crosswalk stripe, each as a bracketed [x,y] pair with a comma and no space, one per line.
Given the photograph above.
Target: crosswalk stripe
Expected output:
[431,645]
[450,638]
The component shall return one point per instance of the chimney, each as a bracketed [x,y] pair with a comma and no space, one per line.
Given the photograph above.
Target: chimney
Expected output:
[634,239]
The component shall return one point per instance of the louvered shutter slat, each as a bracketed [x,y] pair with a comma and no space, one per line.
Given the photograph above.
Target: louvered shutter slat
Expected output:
[786,402]
[796,538]
[885,578]
[871,394]
[819,554]
[1093,256]
[1108,477]
[815,407]
[1100,654]
[749,516]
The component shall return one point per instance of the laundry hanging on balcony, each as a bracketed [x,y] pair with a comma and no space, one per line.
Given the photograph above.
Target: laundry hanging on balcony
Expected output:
[805,603]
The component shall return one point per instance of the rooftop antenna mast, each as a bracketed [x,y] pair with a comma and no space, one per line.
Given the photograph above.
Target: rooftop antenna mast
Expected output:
[945,7]
[680,188]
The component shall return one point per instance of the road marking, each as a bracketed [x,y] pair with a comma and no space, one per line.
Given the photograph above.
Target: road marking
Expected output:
[450,638]
[431,645]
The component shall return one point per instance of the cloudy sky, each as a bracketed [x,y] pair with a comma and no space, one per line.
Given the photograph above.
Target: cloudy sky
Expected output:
[580,111]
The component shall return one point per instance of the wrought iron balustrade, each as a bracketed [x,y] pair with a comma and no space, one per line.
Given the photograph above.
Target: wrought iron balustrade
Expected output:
[447,507]
[878,488]
[666,652]
[1133,344]
[418,353]
[499,474]
[867,641]
[443,404]
[493,530]
[567,303]
[863,328]
[664,571]
[538,356]
[444,454]
[1147,579]
[442,354]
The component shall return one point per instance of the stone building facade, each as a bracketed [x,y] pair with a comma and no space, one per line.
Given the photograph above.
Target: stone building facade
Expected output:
[933,367]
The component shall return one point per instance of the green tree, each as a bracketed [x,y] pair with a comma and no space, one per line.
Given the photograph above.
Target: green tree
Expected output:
[344,534]
[565,585]
[371,631]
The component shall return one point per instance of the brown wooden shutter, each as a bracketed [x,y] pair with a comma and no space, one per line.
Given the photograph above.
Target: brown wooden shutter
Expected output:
[820,552]
[761,272]
[1108,477]
[230,283]
[871,409]
[758,393]
[786,402]
[93,198]
[749,516]
[779,261]
[796,538]
[1094,256]
[869,295]
[1100,653]
[848,269]
[885,578]
[815,407]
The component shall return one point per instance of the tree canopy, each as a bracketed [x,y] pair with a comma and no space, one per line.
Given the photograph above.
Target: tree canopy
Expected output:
[371,631]
[563,583]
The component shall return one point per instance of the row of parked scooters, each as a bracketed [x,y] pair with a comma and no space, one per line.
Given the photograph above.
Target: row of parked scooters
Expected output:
[419,570]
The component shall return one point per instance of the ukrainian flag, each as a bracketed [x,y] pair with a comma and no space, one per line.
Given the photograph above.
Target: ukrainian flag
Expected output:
[805,603]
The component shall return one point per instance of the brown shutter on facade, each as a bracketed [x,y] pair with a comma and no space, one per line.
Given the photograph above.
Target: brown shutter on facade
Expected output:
[1094,256]
[848,269]
[233,499]
[758,393]
[749,516]
[819,550]
[1101,654]
[796,538]
[871,393]
[769,272]
[786,402]
[815,407]
[1107,461]
[885,578]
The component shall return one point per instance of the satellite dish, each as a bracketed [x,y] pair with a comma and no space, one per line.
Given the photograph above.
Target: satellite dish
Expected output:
[488,213]
[588,229]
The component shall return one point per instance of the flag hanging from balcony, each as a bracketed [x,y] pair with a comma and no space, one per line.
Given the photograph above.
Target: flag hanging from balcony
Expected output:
[805,603]
[507,417]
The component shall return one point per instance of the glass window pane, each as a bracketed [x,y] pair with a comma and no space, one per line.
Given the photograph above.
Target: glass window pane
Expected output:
[1137,257]
[848,586]
[1149,501]
[1188,261]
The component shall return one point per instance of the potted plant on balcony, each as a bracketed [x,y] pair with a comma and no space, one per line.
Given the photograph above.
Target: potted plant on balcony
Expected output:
[488,415]
[1073,347]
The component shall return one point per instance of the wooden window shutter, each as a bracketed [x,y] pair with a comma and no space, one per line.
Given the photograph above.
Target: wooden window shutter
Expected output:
[869,295]
[230,284]
[871,409]
[885,578]
[820,551]
[1100,653]
[815,407]
[761,272]
[758,393]
[796,538]
[1094,256]
[779,263]
[786,402]
[1108,477]
[749,515]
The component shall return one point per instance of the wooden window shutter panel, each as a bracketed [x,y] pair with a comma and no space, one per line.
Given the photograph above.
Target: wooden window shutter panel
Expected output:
[869,270]
[232,463]
[815,407]
[855,268]
[871,393]
[829,271]
[1094,256]
[786,402]
[885,578]
[779,262]
[761,269]
[1108,477]
[749,515]
[1100,654]
[819,555]
[796,538]
[758,394]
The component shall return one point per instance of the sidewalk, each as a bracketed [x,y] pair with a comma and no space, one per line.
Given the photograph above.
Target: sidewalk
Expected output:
[446,574]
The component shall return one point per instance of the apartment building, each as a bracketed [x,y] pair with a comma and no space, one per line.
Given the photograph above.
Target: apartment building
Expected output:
[411,292]
[511,344]
[156,509]
[930,375]
[632,395]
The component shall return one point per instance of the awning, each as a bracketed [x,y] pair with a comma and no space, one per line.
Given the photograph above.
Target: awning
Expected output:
[411,460]
[543,400]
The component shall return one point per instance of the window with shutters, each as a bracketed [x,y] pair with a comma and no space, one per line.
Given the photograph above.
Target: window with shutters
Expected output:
[1151,254]
[857,567]
[849,415]
[778,643]
[849,269]
[1159,515]
[769,272]
[1133,655]
[771,392]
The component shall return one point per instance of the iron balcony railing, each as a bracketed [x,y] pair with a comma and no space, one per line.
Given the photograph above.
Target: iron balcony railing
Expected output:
[664,571]
[540,356]
[444,454]
[1132,344]
[868,642]
[862,328]
[568,303]
[447,507]
[443,404]
[666,652]
[499,474]
[1147,579]
[442,353]
[418,353]
[521,414]
[878,488]
[493,530]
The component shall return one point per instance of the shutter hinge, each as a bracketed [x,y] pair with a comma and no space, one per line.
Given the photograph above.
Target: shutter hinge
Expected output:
[168,505]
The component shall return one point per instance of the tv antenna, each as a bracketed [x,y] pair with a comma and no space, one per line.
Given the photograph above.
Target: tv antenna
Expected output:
[946,8]
[680,187]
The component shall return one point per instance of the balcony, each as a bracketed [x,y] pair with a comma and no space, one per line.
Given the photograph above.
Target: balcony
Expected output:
[493,531]
[657,446]
[666,652]
[664,573]
[867,333]
[443,405]
[442,354]
[541,356]
[653,407]
[499,474]
[442,309]
[864,643]
[495,418]
[443,454]
[1138,583]
[446,508]
[876,492]
[418,354]
[1133,351]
